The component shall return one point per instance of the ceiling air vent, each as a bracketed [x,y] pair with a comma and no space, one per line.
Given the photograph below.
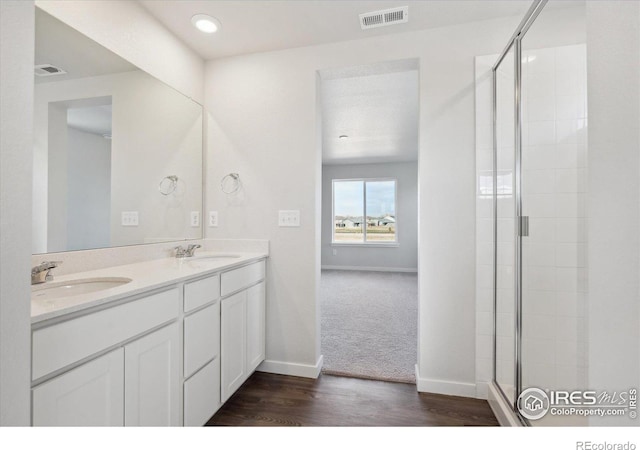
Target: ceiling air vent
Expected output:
[384,17]
[47,70]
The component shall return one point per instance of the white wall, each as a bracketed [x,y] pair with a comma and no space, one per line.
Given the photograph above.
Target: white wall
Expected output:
[404,257]
[89,190]
[613,74]
[16,123]
[127,29]
[156,132]
[263,125]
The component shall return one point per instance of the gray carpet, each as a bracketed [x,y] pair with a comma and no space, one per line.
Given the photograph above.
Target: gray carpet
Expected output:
[369,324]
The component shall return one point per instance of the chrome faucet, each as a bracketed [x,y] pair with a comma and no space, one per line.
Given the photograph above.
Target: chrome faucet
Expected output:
[42,272]
[188,252]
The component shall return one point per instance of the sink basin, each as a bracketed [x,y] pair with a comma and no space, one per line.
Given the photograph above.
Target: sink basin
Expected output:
[214,257]
[49,291]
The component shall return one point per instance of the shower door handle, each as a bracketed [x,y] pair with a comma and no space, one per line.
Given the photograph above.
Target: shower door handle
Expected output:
[523,226]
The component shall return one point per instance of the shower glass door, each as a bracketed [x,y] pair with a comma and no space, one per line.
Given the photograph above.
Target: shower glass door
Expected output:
[540,188]
[554,124]
[504,220]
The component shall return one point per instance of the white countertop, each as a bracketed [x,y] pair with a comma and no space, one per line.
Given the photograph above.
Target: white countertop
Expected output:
[145,276]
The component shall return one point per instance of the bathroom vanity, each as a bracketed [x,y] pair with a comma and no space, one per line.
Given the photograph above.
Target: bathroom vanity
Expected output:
[166,348]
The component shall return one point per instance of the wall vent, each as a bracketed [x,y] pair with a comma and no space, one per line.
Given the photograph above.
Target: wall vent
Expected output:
[384,17]
[47,70]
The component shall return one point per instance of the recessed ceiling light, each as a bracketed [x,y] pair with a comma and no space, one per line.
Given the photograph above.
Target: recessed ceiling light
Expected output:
[205,23]
[343,136]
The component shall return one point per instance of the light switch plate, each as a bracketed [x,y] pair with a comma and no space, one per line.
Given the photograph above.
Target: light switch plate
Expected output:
[195,218]
[129,218]
[289,218]
[213,218]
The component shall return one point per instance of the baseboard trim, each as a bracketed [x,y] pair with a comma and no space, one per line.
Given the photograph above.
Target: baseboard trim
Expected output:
[502,411]
[444,387]
[372,269]
[293,369]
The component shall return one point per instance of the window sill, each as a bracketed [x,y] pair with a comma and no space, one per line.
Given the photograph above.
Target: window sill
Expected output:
[365,244]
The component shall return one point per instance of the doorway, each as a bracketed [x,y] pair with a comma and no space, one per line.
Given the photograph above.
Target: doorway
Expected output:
[369,248]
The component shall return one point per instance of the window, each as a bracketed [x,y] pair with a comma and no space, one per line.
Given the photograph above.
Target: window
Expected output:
[364,211]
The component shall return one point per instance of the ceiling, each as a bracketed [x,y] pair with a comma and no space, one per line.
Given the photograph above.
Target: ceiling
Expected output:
[58,44]
[252,26]
[377,107]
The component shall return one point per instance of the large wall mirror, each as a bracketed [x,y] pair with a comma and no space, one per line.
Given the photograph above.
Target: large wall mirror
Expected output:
[117,153]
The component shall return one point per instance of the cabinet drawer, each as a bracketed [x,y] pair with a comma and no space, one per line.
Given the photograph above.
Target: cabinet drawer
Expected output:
[62,344]
[202,395]
[236,279]
[200,292]
[201,338]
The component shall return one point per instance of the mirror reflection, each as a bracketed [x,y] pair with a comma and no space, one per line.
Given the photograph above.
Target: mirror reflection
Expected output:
[108,136]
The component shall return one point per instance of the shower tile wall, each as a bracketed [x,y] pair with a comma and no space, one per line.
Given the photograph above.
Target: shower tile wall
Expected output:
[554,188]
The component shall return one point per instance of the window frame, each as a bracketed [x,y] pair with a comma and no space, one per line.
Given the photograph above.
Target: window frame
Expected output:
[334,243]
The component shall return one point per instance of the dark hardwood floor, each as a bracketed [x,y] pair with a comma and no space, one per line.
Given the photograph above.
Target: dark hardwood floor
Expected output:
[278,400]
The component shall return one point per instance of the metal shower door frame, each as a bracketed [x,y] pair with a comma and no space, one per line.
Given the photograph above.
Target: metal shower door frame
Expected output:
[514,43]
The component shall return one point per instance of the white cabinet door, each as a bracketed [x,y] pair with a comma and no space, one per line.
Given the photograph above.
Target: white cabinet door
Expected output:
[152,379]
[255,326]
[89,395]
[233,344]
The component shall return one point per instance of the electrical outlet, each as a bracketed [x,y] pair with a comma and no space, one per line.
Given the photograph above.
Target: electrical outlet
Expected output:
[129,218]
[195,218]
[335,252]
[213,218]
[289,218]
